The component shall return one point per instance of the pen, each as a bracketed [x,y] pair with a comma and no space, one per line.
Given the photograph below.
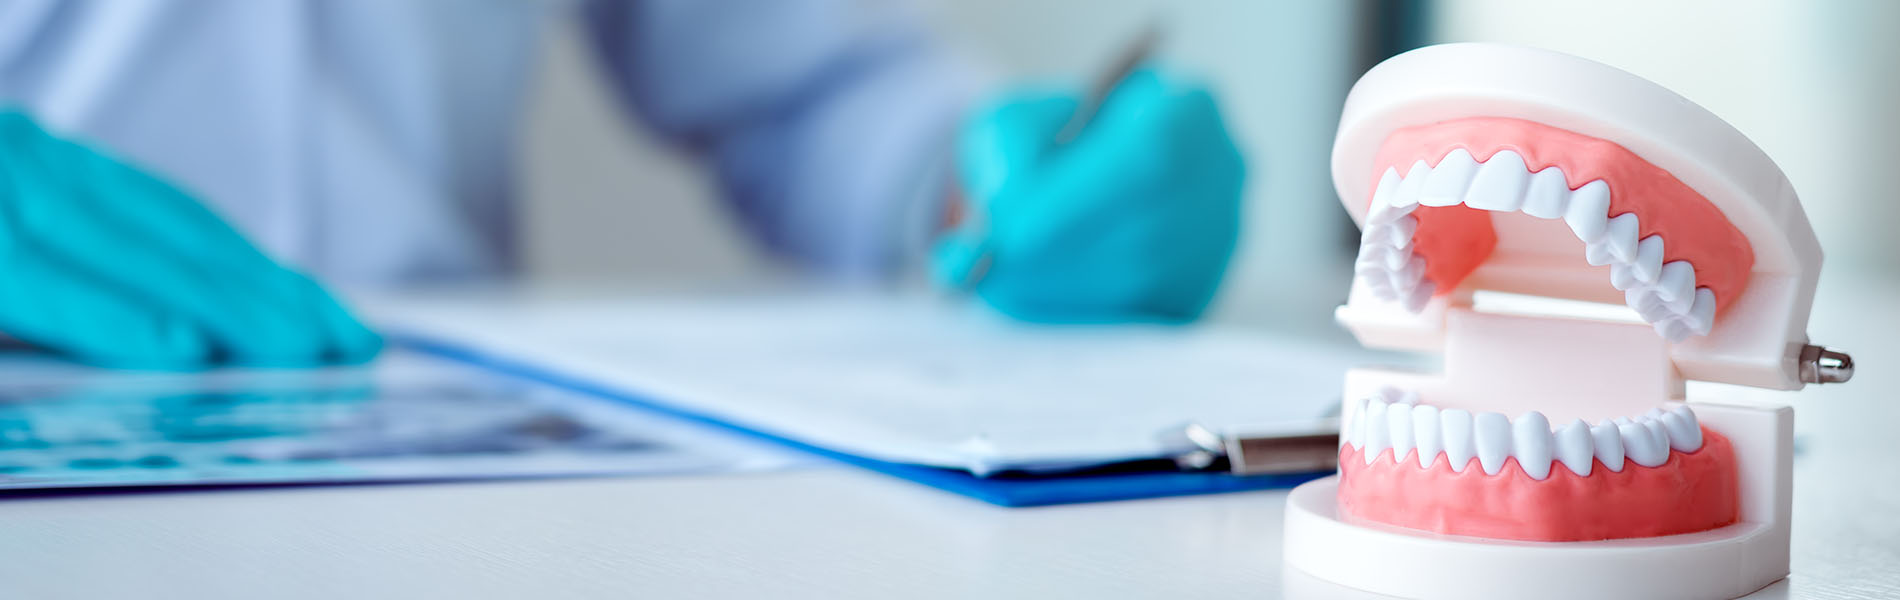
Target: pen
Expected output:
[1131,57]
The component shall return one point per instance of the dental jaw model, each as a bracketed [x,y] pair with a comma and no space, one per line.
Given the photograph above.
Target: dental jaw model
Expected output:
[1512,202]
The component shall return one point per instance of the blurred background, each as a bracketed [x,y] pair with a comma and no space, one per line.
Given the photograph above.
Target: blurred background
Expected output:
[1811,83]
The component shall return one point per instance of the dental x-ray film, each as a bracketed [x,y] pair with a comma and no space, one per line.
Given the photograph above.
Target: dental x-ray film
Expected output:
[407,417]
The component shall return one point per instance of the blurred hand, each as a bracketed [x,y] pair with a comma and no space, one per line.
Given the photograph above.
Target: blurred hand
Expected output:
[1133,220]
[111,266]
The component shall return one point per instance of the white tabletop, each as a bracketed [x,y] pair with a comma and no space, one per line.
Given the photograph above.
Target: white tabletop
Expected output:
[831,533]
[835,532]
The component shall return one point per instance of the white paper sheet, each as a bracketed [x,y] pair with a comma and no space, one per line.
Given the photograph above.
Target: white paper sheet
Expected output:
[912,379]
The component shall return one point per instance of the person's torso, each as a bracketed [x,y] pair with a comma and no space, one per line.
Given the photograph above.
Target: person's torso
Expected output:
[368,141]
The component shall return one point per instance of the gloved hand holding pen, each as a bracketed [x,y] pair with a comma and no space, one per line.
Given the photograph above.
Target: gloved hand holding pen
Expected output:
[1132,220]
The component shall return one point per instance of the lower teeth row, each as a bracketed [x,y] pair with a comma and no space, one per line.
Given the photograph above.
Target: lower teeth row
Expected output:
[1394,421]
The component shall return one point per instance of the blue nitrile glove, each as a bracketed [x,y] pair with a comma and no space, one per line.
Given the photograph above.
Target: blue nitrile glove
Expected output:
[1133,220]
[111,266]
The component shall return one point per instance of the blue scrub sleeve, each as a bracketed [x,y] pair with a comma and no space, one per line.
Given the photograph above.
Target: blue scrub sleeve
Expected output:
[829,123]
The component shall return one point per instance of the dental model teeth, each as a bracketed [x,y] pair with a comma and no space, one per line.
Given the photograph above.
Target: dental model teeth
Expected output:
[1674,330]
[1647,265]
[1649,304]
[1460,446]
[1397,396]
[1530,443]
[1639,446]
[1377,436]
[1657,434]
[1548,194]
[1398,256]
[1418,434]
[1406,197]
[1573,446]
[1701,313]
[1427,434]
[1617,244]
[1623,277]
[1685,435]
[1382,209]
[1447,184]
[1499,184]
[1664,292]
[1399,233]
[1607,441]
[1351,432]
[1398,421]
[1416,300]
[1407,278]
[1492,434]
[1620,237]
[1598,253]
[1589,211]
[1675,285]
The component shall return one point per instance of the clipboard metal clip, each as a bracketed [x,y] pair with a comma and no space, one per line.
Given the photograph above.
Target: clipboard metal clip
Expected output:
[1242,453]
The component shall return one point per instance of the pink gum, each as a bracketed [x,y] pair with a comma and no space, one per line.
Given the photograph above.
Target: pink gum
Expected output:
[1456,239]
[1692,491]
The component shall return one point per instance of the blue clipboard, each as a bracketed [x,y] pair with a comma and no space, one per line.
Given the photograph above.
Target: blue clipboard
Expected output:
[1128,481]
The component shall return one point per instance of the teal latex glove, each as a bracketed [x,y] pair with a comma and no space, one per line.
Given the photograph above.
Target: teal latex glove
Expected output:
[111,266]
[1133,220]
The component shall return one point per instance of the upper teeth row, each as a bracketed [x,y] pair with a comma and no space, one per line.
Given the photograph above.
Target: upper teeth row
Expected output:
[1665,294]
[1394,420]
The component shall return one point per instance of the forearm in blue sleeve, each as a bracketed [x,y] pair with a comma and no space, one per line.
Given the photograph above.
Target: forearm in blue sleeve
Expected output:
[827,122]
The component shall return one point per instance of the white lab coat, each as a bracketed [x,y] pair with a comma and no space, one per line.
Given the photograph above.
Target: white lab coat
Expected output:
[371,141]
